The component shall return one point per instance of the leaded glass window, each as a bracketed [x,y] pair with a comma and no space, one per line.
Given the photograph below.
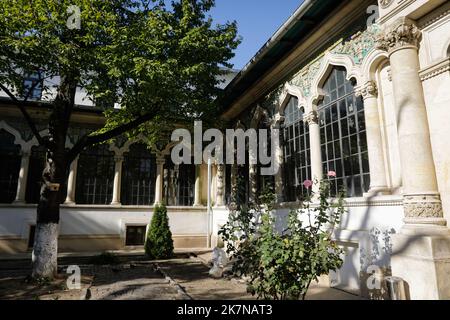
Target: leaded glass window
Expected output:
[297,166]
[343,135]
[138,176]
[10,159]
[179,183]
[186,184]
[95,176]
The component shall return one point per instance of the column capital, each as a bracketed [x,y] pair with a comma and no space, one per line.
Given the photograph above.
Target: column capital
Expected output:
[277,121]
[311,117]
[160,161]
[118,158]
[400,34]
[367,90]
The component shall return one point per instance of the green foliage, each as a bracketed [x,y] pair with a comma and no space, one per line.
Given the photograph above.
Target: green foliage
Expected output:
[144,54]
[105,258]
[282,265]
[159,242]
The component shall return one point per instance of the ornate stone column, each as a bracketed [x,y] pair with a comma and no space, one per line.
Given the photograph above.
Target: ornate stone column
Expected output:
[198,187]
[117,180]
[312,119]
[378,181]
[71,183]
[421,251]
[23,176]
[159,184]
[220,201]
[277,123]
[421,197]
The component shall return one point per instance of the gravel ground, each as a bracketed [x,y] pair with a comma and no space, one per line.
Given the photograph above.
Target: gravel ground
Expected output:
[134,278]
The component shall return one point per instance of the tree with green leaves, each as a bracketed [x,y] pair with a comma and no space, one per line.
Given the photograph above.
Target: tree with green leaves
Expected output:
[160,62]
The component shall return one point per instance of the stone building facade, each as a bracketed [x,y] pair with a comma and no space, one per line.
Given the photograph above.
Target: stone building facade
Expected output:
[355,87]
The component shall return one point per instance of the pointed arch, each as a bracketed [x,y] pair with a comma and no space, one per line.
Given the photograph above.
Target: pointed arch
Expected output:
[330,61]
[17,136]
[288,92]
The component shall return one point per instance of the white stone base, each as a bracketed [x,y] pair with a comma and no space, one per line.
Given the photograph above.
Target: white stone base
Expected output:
[424,263]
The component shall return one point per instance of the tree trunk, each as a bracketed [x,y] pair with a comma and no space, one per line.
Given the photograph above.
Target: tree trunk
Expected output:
[45,250]
[55,174]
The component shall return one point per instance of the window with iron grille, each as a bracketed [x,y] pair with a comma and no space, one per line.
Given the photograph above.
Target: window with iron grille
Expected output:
[135,235]
[343,135]
[33,82]
[138,176]
[186,184]
[95,176]
[10,160]
[297,166]
[34,179]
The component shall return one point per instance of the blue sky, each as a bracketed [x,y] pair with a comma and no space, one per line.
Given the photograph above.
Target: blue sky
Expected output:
[257,22]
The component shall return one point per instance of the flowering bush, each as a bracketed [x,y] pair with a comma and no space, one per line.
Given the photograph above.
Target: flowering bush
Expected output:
[282,265]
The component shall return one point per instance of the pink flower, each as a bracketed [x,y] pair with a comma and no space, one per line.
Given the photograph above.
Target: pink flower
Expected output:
[307,184]
[332,174]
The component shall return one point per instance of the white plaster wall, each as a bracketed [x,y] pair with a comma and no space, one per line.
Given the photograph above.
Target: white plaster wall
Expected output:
[354,235]
[101,221]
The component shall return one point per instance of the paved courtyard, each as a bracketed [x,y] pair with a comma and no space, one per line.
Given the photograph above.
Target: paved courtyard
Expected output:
[183,278]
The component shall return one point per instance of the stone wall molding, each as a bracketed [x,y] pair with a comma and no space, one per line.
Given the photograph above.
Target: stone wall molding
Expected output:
[435,70]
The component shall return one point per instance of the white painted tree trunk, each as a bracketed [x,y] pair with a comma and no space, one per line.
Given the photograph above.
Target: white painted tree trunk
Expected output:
[45,251]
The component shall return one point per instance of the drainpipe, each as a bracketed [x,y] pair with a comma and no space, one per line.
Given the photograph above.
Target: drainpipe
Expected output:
[209,209]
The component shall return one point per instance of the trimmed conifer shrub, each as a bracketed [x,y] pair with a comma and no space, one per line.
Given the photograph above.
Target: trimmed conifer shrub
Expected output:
[159,242]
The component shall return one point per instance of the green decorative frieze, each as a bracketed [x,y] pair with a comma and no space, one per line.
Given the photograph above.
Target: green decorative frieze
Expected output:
[359,45]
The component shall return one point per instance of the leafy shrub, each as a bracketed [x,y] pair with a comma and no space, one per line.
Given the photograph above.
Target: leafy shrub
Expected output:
[159,242]
[282,265]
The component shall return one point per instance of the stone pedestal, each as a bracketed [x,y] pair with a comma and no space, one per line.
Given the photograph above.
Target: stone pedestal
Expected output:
[424,263]
[421,251]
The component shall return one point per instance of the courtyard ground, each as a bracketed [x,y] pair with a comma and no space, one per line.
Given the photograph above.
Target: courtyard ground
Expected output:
[134,278]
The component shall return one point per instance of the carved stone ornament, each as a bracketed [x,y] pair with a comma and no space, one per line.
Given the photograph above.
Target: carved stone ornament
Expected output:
[311,117]
[368,90]
[403,32]
[422,206]
[385,3]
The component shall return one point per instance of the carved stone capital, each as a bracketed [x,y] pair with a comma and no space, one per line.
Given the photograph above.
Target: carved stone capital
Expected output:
[385,3]
[118,158]
[277,121]
[367,90]
[311,117]
[402,33]
[423,209]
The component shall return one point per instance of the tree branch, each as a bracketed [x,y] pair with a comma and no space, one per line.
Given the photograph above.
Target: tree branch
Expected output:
[88,140]
[21,105]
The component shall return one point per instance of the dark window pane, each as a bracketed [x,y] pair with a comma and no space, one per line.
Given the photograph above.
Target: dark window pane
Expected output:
[135,235]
